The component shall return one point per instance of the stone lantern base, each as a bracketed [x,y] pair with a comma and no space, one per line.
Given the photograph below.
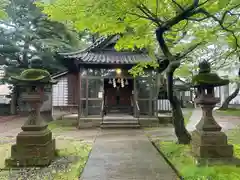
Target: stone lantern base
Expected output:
[211,145]
[32,148]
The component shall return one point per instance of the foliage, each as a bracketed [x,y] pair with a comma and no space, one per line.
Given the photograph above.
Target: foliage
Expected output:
[180,156]
[138,20]
[179,26]
[138,70]
[28,33]
[185,71]
[3,4]
[230,112]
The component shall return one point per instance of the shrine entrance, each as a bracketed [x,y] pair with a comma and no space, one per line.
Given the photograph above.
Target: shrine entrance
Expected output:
[118,95]
[107,90]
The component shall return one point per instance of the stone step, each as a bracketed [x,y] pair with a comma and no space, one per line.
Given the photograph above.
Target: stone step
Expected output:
[117,111]
[120,121]
[133,126]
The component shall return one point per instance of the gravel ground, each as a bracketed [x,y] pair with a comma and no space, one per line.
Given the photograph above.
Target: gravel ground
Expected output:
[45,173]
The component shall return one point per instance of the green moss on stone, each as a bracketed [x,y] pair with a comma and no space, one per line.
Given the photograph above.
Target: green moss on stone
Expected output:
[209,79]
[33,75]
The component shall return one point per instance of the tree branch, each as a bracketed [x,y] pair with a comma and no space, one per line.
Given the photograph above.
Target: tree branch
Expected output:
[157,6]
[7,24]
[163,45]
[140,16]
[178,5]
[149,14]
[183,55]
[220,22]
[181,16]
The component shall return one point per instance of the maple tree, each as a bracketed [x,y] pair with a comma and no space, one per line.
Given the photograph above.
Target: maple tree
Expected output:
[177,27]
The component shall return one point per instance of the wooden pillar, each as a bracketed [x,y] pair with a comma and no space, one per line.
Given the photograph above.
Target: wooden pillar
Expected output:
[79,97]
[158,84]
[150,96]
[135,96]
[87,79]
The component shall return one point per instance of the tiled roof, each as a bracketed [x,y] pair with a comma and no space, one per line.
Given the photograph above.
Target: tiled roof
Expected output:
[108,57]
[97,54]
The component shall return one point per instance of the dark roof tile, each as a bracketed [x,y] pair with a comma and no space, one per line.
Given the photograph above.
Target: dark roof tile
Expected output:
[97,54]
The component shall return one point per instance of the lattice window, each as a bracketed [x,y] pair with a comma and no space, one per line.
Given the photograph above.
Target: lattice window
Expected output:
[60,92]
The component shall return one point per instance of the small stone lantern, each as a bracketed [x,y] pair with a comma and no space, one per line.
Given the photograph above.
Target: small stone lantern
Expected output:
[34,145]
[208,141]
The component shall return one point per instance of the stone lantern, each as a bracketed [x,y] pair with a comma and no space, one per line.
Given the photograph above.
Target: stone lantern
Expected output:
[34,145]
[208,141]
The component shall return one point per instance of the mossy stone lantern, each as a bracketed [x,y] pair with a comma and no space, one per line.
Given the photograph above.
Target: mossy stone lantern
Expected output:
[208,142]
[34,145]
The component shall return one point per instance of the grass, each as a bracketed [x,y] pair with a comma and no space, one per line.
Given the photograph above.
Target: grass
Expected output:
[65,148]
[73,148]
[180,156]
[187,116]
[229,112]
[59,125]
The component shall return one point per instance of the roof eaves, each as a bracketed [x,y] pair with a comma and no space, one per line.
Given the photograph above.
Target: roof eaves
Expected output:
[89,48]
[60,74]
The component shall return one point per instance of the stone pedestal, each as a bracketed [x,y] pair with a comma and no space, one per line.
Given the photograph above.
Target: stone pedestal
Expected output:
[34,145]
[211,145]
[208,141]
[33,148]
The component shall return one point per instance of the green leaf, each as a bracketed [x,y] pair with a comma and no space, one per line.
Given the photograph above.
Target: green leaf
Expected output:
[223,3]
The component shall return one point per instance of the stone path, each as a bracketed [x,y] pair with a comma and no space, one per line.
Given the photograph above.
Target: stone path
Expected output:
[11,127]
[125,155]
[226,122]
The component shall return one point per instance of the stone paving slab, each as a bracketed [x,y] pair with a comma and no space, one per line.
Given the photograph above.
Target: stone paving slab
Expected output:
[226,122]
[125,155]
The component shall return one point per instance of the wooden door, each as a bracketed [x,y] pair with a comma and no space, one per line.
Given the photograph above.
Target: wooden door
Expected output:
[118,96]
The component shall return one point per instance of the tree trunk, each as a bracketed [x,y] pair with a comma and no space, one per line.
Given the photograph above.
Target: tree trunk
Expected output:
[230,98]
[181,132]
[173,63]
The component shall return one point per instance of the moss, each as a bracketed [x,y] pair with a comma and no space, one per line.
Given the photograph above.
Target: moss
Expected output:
[77,149]
[229,112]
[33,75]
[187,117]
[62,125]
[209,79]
[180,156]
[66,149]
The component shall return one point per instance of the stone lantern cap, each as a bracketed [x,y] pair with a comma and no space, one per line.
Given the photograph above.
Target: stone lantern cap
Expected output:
[33,77]
[207,79]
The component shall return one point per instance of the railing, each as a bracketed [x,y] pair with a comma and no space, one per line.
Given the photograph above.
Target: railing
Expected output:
[102,110]
[137,112]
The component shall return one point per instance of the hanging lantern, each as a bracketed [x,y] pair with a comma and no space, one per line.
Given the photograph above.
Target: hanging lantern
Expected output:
[114,83]
[110,81]
[122,83]
[118,80]
[126,82]
[118,71]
